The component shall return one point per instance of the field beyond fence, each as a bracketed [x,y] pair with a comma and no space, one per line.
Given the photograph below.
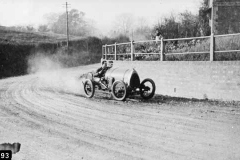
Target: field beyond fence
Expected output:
[208,48]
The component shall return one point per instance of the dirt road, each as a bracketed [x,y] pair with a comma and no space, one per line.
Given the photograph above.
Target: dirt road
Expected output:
[52,120]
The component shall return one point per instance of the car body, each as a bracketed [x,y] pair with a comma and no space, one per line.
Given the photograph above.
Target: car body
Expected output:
[120,82]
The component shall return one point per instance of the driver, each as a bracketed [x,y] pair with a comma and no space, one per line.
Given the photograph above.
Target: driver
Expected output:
[100,72]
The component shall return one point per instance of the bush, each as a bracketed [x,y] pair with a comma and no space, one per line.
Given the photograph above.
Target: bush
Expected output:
[117,39]
[188,57]
[13,59]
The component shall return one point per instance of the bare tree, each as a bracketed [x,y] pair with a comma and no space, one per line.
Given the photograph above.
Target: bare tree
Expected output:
[43,28]
[124,24]
[30,28]
[78,24]
[51,18]
[142,23]
[142,31]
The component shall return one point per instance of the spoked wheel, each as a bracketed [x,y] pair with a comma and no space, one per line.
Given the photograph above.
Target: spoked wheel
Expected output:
[147,88]
[119,90]
[89,88]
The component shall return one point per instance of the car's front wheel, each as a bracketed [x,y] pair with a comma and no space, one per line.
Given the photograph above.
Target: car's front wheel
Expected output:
[89,88]
[119,90]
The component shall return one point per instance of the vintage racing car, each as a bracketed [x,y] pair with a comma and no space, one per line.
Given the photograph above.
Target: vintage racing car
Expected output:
[120,83]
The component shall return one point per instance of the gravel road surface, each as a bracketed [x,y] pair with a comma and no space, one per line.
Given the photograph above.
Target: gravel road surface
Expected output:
[48,114]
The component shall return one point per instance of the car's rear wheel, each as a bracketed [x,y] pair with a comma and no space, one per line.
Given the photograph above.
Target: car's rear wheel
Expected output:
[119,90]
[147,88]
[89,88]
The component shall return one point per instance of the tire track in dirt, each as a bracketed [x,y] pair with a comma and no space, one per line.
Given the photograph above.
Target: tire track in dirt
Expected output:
[88,133]
[68,126]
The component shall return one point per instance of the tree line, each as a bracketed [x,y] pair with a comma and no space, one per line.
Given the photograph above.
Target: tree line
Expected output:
[127,27]
[79,25]
[181,25]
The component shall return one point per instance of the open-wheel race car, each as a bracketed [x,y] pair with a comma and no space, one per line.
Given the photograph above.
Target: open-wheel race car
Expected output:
[121,83]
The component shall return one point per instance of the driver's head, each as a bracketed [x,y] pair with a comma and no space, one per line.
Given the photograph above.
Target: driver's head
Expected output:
[104,64]
[110,64]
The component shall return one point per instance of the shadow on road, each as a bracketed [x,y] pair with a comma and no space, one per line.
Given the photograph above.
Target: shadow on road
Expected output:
[157,99]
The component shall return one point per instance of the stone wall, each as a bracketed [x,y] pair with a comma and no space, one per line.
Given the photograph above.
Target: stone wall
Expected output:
[201,80]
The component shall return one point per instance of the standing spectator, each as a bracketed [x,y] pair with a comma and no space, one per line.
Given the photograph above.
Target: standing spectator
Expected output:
[158,38]
[158,35]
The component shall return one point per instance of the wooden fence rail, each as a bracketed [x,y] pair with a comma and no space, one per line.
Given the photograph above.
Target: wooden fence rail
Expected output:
[111,50]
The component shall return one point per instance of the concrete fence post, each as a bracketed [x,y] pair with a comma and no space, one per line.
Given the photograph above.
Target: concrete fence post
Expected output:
[106,51]
[162,50]
[212,47]
[115,51]
[132,51]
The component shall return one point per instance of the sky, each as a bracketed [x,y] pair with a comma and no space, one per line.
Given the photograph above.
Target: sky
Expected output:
[102,12]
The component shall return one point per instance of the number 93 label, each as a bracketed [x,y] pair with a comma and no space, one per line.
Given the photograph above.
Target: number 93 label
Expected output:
[6,155]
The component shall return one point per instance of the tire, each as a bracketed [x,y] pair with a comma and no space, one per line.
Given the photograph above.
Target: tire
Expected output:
[144,92]
[89,88]
[119,90]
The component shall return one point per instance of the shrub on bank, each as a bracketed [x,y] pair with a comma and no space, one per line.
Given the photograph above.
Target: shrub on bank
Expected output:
[14,56]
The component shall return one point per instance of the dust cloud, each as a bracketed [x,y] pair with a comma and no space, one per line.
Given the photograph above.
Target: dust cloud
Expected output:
[41,63]
[54,74]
